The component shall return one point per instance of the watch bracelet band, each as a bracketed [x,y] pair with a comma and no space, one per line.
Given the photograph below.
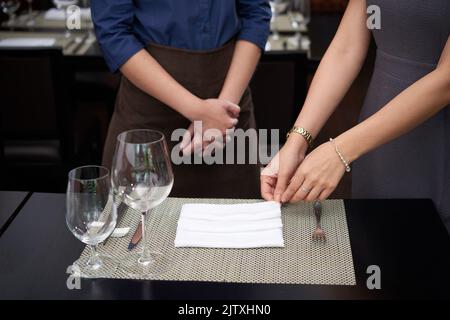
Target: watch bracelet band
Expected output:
[303,132]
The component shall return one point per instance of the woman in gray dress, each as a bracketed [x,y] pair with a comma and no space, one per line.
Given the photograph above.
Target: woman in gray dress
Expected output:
[401,147]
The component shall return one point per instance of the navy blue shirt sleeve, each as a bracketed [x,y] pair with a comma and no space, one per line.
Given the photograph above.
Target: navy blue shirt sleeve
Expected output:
[113,21]
[255,18]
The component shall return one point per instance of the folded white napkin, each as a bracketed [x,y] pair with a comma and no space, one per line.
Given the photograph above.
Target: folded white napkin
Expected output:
[27,42]
[250,225]
[58,14]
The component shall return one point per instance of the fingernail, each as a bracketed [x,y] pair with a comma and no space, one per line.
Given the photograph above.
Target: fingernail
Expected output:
[234,104]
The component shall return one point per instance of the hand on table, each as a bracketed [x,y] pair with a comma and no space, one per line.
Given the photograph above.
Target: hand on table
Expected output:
[317,176]
[216,116]
[278,173]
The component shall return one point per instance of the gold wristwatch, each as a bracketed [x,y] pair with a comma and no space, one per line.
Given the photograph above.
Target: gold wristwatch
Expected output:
[304,133]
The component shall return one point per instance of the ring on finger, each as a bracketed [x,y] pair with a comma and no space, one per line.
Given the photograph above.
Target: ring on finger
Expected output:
[305,189]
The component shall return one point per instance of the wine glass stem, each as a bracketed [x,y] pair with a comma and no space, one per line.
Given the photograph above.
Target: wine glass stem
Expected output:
[66,17]
[94,261]
[145,258]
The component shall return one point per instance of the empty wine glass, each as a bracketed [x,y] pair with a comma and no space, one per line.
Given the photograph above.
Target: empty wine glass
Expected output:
[10,7]
[64,5]
[142,177]
[91,215]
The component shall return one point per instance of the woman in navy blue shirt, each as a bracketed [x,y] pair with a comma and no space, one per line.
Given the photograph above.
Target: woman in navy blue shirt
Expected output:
[184,61]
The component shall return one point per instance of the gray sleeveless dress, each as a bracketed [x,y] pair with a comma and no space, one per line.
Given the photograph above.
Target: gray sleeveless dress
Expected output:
[410,42]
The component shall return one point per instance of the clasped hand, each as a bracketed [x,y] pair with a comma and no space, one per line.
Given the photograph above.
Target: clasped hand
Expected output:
[218,118]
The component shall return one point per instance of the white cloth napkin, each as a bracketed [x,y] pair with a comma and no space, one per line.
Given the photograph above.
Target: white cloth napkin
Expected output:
[27,42]
[58,14]
[250,225]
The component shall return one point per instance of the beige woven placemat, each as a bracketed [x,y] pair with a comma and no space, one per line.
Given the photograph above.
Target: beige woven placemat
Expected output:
[301,261]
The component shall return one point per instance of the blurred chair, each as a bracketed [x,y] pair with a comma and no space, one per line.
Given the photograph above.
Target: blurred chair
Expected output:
[36,130]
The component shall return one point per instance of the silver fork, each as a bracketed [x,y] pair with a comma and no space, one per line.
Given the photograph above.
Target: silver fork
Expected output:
[318,234]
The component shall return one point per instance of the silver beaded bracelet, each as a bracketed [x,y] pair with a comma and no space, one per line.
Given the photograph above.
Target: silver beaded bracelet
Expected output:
[347,166]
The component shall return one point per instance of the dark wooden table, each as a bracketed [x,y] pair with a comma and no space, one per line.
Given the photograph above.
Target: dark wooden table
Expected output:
[405,238]
[10,202]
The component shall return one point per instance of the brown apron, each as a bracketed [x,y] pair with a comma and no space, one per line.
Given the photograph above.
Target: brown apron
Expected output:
[203,74]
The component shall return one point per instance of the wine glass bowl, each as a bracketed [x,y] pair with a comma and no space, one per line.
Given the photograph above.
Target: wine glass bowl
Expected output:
[142,178]
[90,214]
[141,169]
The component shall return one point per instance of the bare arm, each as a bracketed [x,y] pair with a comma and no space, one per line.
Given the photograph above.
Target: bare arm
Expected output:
[413,106]
[322,169]
[243,64]
[149,76]
[245,58]
[113,20]
[338,69]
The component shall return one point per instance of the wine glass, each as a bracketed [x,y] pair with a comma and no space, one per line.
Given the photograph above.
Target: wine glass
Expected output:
[64,5]
[30,7]
[91,215]
[31,20]
[277,7]
[299,14]
[142,178]
[10,7]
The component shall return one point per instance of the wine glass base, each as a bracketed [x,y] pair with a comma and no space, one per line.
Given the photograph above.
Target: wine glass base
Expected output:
[133,266]
[107,265]
[295,41]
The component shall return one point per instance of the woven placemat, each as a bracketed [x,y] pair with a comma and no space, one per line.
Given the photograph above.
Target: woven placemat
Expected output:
[301,261]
